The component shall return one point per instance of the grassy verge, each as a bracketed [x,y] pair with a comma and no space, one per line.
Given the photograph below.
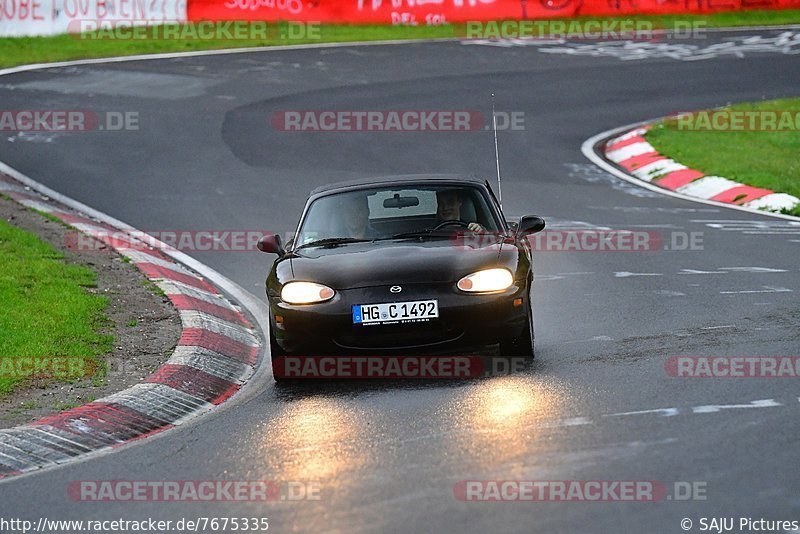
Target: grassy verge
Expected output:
[46,313]
[758,158]
[24,50]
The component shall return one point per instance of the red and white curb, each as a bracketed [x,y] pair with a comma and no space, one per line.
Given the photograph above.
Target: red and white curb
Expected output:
[217,353]
[632,152]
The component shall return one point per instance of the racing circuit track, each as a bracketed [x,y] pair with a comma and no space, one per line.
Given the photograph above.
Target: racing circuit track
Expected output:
[387,455]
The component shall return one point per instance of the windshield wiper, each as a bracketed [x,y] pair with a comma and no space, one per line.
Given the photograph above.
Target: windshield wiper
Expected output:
[332,242]
[423,233]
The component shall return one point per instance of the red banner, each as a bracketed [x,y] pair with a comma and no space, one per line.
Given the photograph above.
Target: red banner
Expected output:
[434,12]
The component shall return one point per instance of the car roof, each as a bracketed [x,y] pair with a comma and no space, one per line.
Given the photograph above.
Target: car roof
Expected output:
[364,183]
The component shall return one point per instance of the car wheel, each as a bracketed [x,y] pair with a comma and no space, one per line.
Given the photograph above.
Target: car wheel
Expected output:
[522,345]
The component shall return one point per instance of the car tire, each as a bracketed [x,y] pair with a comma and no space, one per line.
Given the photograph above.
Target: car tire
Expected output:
[522,345]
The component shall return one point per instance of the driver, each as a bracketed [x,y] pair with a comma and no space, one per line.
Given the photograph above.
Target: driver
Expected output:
[448,203]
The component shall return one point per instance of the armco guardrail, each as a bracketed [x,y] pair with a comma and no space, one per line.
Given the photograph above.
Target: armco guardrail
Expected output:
[47,17]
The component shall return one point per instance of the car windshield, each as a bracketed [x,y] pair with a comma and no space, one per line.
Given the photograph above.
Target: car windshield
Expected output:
[395,212]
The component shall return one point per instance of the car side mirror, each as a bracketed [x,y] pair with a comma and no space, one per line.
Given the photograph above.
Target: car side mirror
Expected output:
[530,224]
[271,244]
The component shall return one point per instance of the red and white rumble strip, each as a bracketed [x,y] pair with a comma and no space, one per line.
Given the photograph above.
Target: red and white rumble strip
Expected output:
[632,152]
[216,355]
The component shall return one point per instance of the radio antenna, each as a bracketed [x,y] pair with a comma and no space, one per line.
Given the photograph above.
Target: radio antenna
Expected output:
[496,155]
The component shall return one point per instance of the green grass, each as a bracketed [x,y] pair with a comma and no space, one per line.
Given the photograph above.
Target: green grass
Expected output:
[46,310]
[24,50]
[153,288]
[49,217]
[770,160]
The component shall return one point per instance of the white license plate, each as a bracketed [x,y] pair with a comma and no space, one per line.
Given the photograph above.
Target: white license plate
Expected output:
[396,312]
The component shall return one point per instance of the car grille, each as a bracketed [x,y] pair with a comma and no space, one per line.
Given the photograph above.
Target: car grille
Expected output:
[389,337]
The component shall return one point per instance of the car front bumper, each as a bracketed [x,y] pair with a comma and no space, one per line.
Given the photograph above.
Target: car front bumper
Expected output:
[466,321]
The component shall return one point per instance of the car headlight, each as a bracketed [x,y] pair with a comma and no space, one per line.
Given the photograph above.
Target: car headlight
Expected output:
[305,293]
[486,281]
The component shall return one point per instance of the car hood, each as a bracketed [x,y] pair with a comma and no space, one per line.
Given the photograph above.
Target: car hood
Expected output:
[396,262]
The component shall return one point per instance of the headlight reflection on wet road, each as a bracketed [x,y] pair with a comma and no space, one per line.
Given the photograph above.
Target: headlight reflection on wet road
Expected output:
[319,440]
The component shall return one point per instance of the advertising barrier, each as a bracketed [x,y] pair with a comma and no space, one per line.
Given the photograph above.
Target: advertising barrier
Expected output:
[51,17]
[417,13]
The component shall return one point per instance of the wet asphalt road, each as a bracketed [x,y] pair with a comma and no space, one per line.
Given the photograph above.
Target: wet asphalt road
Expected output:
[387,456]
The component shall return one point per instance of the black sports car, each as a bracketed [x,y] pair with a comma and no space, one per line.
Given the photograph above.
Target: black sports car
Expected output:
[404,264]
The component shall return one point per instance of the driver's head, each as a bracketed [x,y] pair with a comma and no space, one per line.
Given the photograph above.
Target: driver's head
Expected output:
[448,204]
